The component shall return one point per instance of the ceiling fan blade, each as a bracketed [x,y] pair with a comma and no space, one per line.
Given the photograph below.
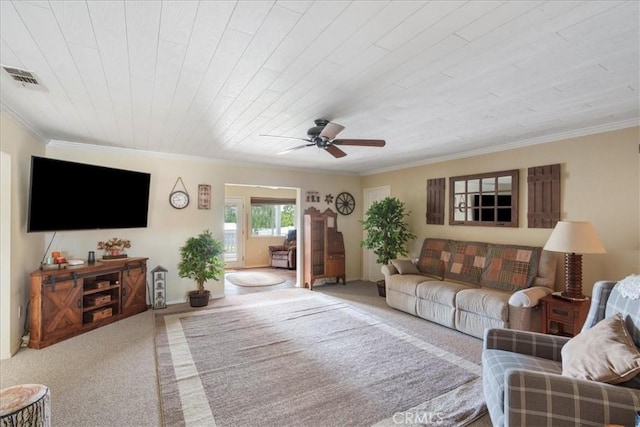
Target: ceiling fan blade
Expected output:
[335,151]
[331,130]
[288,137]
[361,142]
[296,148]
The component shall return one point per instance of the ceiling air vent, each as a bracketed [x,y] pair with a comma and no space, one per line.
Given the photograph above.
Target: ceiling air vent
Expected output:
[23,77]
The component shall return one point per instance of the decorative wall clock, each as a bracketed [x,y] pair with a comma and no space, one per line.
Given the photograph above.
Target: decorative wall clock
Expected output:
[345,203]
[179,199]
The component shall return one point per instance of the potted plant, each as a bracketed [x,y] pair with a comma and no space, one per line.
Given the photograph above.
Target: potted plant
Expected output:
[201,260]
[387,232]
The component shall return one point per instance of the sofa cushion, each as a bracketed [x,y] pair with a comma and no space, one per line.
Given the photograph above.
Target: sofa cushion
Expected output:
[442,292]
[405,266]
[603,353]
[467,261]
[484,301]
[511,268]
[405,283]
[434,257]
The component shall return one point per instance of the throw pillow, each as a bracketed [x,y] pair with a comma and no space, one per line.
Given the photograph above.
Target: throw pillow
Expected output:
[604,353]
[404,266]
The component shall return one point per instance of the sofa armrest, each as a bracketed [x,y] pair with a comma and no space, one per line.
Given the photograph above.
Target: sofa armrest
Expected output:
[388,270]
[276,248]
[524,342]
[568,400]
[529,297]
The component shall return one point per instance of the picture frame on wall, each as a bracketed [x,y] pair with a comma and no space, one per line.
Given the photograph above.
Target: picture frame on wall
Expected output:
[204,196]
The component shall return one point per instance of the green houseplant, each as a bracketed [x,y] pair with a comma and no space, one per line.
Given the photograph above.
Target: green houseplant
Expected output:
[201,260]
[387,231]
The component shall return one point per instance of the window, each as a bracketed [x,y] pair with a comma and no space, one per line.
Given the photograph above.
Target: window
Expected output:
[272,216]
[489,199]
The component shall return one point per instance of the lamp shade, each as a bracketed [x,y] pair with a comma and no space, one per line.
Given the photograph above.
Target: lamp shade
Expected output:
[574,237]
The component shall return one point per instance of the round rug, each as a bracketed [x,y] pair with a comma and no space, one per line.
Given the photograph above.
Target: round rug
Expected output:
[254,278]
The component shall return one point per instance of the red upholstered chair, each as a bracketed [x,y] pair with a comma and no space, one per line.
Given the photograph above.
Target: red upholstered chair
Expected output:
[284,255]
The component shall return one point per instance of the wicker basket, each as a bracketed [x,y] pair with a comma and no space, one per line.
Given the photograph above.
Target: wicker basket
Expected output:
[197,299]
[381,288]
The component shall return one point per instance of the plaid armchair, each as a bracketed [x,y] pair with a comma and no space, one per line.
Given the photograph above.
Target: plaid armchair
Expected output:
[523,381]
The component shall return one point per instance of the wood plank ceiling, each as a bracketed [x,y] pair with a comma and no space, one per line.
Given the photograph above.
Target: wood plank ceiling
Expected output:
[436,80]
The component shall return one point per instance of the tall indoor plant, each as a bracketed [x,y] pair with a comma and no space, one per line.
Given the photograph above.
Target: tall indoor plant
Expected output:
[387,231]
[201,260]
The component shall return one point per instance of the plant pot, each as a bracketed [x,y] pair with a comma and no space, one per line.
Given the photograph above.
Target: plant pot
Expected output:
[381,288]
[199,299]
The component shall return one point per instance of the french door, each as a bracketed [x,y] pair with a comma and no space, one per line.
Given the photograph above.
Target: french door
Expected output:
[234,232]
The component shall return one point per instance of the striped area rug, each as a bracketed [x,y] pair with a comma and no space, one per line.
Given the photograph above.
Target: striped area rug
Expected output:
[299,358]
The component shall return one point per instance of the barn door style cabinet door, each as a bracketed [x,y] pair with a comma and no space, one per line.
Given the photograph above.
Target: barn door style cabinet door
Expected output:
[323,247]
[61,308]
[134,288]
[73,300]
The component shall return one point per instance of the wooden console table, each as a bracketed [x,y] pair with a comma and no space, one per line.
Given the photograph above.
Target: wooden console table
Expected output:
[73,300]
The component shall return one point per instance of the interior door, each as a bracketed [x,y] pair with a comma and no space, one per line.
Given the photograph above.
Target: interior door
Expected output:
[234,232]
[371,268]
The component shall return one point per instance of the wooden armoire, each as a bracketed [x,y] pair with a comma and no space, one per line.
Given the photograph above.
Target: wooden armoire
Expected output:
[323,247]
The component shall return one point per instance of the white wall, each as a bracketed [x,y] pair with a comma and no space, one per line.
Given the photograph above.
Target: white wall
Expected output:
[25,250]
[599,183]
[169,228]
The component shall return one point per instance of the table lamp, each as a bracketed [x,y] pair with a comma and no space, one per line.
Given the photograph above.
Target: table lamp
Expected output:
[574,238]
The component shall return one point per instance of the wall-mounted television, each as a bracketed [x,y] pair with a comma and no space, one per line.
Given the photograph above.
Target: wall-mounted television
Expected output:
[67,196]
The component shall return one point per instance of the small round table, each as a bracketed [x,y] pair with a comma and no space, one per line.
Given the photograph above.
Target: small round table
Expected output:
[25,405]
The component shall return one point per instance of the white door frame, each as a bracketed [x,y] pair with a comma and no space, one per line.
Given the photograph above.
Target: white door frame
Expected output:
[239,202]
[6,327]
[371,270]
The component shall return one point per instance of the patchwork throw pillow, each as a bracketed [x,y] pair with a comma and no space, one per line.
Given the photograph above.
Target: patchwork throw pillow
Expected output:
[434,257]
[511,268]
[405,266]
[604,353]
[467,261]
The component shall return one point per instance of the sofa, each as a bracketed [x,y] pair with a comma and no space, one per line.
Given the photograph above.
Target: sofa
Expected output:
[592,379]
[284,255]
[472,286]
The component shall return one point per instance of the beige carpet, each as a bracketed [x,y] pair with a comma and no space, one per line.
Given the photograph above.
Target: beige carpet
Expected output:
[254,278]
[297,357]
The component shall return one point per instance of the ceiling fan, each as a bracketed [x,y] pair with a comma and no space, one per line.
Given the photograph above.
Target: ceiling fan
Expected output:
[322,136]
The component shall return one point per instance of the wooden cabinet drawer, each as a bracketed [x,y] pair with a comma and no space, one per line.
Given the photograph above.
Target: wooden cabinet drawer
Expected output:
[561,313]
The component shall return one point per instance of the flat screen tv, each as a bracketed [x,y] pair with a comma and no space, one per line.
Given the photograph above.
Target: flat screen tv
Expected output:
[67,196]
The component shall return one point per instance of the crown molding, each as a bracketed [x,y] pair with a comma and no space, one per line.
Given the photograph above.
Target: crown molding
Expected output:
[173,156]
[576,133]
[4,108]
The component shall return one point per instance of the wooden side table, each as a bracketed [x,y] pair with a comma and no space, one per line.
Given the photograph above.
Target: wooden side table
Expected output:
[25,405]
[567,316]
